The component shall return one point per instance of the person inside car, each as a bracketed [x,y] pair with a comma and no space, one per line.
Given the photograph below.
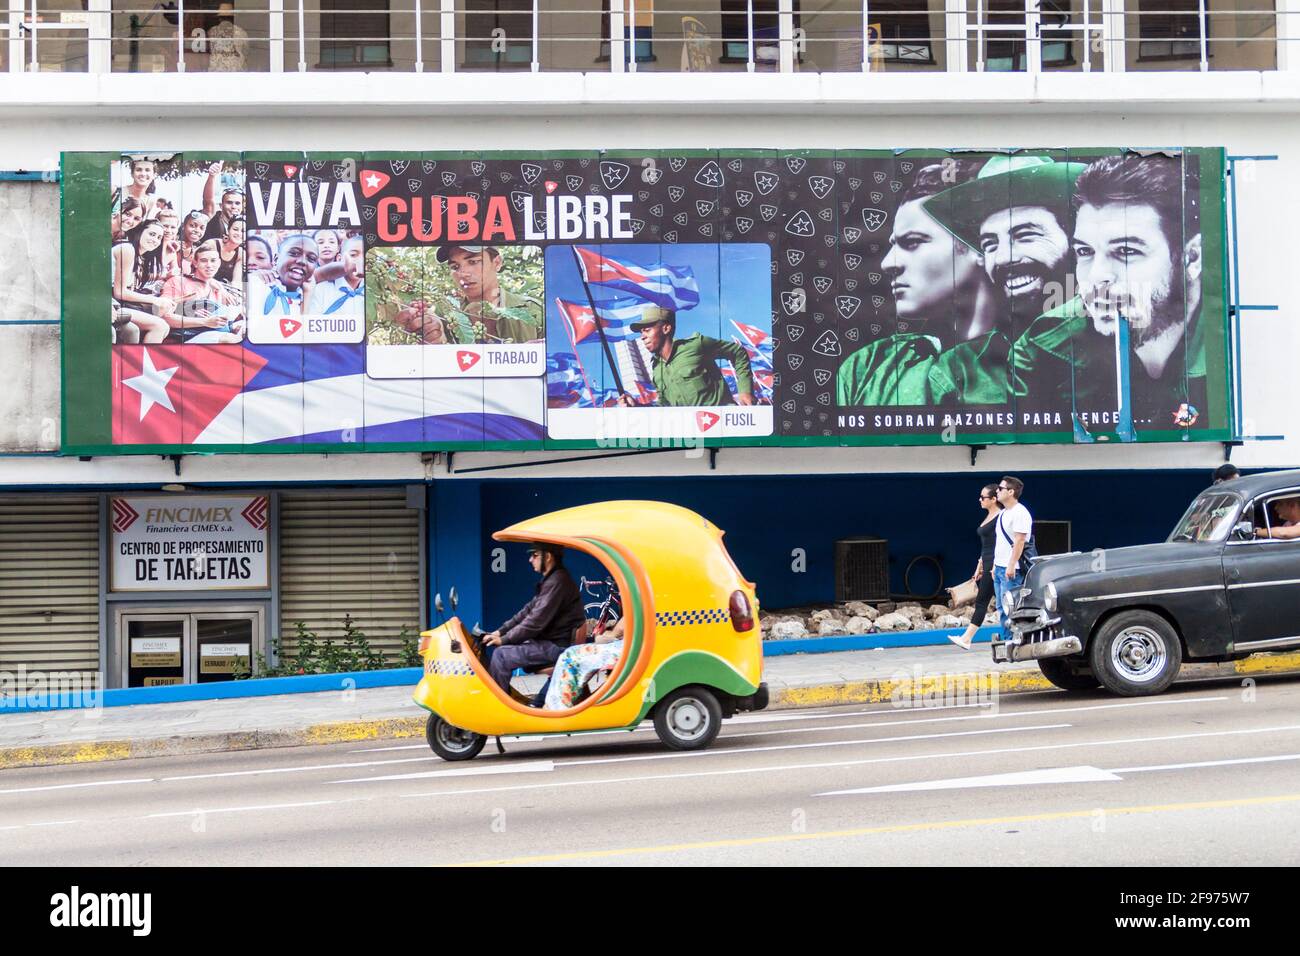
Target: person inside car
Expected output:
[536,635]
[1288,523]
[576,665]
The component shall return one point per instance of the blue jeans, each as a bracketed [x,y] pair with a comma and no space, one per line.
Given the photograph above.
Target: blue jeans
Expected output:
[1001,585]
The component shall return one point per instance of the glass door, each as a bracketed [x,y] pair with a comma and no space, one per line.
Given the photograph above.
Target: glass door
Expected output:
[58,36]
[224,645]
[1017,36]
[155,651]
[160,646]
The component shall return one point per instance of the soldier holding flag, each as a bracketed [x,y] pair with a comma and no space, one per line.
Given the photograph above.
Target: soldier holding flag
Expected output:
[686,370]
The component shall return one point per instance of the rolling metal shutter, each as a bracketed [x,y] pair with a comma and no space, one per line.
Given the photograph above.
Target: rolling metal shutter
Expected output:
[349,553]
[49,582]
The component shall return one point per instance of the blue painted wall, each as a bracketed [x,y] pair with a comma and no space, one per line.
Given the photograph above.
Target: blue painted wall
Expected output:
[766,518]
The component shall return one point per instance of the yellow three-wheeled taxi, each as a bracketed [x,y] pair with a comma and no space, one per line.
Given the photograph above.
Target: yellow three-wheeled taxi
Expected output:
[691,655]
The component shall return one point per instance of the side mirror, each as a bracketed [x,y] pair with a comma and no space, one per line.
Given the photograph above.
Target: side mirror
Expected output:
[437,602]
[455,598]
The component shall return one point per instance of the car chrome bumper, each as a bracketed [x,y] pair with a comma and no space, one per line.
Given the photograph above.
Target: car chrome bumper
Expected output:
[1010,652]
[1034,635]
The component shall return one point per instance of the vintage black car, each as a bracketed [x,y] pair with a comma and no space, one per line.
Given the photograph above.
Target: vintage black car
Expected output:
[1225,585]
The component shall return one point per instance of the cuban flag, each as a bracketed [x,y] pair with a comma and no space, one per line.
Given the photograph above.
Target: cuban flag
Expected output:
[245,394]
[756,338]
[616,318]
[670,287]
[566,382]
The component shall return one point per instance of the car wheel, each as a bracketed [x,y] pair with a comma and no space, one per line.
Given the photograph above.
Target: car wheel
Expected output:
[452,743]
[1059,671]
[688,718]
[1136,653]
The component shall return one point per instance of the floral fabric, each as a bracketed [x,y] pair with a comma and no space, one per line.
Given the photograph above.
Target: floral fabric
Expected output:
[575,665]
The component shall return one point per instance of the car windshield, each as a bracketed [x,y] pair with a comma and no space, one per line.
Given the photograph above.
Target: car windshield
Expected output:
[1210,518]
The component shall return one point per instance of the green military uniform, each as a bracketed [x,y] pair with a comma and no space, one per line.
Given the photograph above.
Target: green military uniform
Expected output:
[891,371]
[690,376]
[1062,362]
[972,373]
[523,323]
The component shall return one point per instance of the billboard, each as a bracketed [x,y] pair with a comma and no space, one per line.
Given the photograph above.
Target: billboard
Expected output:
[412,301]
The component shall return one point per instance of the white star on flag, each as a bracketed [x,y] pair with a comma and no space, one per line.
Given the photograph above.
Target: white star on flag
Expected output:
[151,383]
[372,181]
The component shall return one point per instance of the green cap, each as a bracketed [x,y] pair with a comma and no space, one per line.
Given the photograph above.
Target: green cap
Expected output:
[652,314]
[445,251]
[1005,181]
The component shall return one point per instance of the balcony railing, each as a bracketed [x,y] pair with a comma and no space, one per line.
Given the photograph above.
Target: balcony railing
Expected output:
[787,36]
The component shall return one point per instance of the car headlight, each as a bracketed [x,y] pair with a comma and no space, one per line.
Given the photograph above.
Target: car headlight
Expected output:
[1049,597]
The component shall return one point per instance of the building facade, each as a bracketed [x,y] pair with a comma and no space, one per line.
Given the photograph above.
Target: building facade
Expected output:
[360,532]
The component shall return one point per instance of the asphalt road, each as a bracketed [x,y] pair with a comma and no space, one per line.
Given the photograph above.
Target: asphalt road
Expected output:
[1208,773]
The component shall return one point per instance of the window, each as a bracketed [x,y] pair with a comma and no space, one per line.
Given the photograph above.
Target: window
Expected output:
[645,31]
[498,35]
[354,34]
[903,30]
[767,31]
[1169,30]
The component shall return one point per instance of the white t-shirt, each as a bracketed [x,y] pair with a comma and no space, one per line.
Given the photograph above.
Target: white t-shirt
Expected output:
[1013,521]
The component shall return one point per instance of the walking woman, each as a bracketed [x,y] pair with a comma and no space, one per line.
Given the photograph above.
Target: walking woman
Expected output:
[984,570]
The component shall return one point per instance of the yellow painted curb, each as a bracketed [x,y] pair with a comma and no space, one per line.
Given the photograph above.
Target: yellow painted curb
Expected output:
[973,685]
[353,730]
[64,753]
[1267,663]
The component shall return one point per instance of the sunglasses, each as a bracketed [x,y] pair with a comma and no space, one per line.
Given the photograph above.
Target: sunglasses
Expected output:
[987,497]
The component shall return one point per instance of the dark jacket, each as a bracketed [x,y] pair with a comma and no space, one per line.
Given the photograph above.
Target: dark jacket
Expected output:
[552,614]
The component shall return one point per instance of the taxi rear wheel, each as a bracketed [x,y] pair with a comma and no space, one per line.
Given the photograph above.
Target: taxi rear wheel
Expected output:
[1059,671]
[452,743]
[689,718]
[1136,653]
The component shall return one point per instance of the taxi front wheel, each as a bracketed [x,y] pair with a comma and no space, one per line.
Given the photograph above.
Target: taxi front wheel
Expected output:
[452,743]
[688,718]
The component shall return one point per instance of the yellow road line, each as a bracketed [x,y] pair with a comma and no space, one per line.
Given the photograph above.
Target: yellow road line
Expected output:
[873,831]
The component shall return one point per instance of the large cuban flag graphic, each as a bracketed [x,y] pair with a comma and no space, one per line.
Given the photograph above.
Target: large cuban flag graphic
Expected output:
[248,394]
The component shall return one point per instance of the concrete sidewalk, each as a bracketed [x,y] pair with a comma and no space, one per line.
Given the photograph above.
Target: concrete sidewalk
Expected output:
[922,675]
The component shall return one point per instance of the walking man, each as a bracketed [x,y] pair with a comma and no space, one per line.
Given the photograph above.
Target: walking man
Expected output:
[1015,526]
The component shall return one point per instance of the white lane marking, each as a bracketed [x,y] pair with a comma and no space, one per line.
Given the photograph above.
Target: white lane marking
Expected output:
[73,786]
[958,754]
[1052,775]
[320,766]
[1022,778]
[1016,713]
[1208,763]
[820,743]
[677,755]
[740,719]
[885,712]
[265,806]
[540,766]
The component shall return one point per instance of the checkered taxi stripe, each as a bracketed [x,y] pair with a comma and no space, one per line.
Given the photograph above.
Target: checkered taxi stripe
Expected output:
[711,615]
[447,668]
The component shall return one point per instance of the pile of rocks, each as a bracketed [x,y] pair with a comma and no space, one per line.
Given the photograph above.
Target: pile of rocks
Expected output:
[857,617]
